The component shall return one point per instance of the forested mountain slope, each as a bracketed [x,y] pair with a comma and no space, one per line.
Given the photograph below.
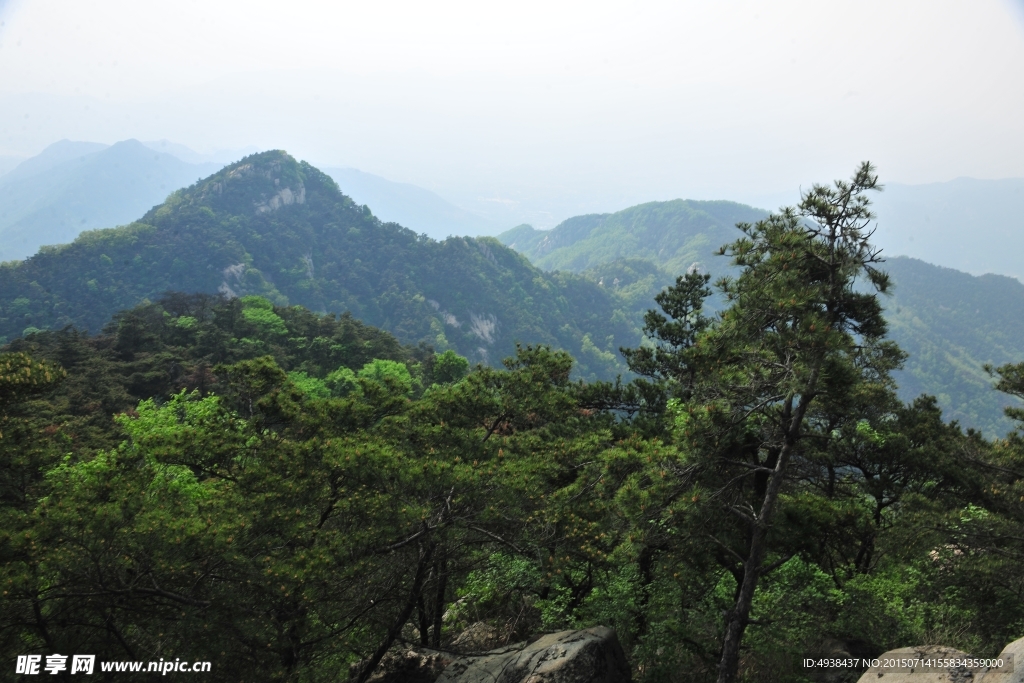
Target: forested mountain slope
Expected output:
[73,186]
[272,226]
[673,234]
[950,323]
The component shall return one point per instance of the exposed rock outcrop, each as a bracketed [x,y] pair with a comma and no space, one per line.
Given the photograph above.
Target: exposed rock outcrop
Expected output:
[1014,674]
[478,637]
[958,674]
[592,655]
[407,664]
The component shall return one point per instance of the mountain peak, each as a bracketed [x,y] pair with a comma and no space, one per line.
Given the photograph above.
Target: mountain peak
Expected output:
[259,183]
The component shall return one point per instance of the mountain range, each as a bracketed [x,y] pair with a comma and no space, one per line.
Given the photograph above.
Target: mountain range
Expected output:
[272,226]
[77,186]
[951,323]
[74,186]
[927,221]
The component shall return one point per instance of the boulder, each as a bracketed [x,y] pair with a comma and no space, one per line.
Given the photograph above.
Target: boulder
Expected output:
[591,655]
[1011,674]
[478,637]
[407,664]
[881,674]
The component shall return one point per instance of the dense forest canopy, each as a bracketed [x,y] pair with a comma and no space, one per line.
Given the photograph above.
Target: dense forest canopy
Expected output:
[287,493]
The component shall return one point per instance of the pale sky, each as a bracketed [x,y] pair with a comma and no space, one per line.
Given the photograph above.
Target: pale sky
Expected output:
[565,105]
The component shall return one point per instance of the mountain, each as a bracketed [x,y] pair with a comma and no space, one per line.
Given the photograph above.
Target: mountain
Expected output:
[72,187]
[56,154]
[418,209]
[673,234]
[272,226]
[951,323]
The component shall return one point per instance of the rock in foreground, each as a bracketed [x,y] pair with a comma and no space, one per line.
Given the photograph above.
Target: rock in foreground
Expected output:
[407,664]
[592,655]
[883,674]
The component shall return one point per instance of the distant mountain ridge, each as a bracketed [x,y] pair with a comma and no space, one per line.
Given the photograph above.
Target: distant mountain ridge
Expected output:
[272,226]
[951,323]
[76,186]
[673,234]
[56,154]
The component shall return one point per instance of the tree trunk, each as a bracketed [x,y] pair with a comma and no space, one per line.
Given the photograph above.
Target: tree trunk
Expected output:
[424,624]
[739,616]
[403,616]
[439,600]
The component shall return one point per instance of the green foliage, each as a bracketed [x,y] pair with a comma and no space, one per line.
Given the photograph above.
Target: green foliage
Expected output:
[311,386]
[388,373]
[273,490]
[449,367]
[21,376]
[951,324]
[342,382]
[271,227]
[259,313]
[674,234]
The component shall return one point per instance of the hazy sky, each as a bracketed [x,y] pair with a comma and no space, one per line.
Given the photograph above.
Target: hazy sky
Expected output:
[559,106]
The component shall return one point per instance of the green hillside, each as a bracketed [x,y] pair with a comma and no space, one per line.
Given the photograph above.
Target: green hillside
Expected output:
[673,234]
[950,323]
[275,227]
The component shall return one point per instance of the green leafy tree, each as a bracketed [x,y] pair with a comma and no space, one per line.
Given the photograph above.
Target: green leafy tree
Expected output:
[450,367]
[388,373]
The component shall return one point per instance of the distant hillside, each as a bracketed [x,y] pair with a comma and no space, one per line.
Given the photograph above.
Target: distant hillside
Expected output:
[56,154]
[76,186]
[950,322]
[673,234]
[269,225]
[418,209]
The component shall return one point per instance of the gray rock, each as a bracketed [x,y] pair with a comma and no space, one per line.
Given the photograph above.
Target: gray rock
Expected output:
[407,664]
[478,637]
[1010,674]
[882,674]
[592,655]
